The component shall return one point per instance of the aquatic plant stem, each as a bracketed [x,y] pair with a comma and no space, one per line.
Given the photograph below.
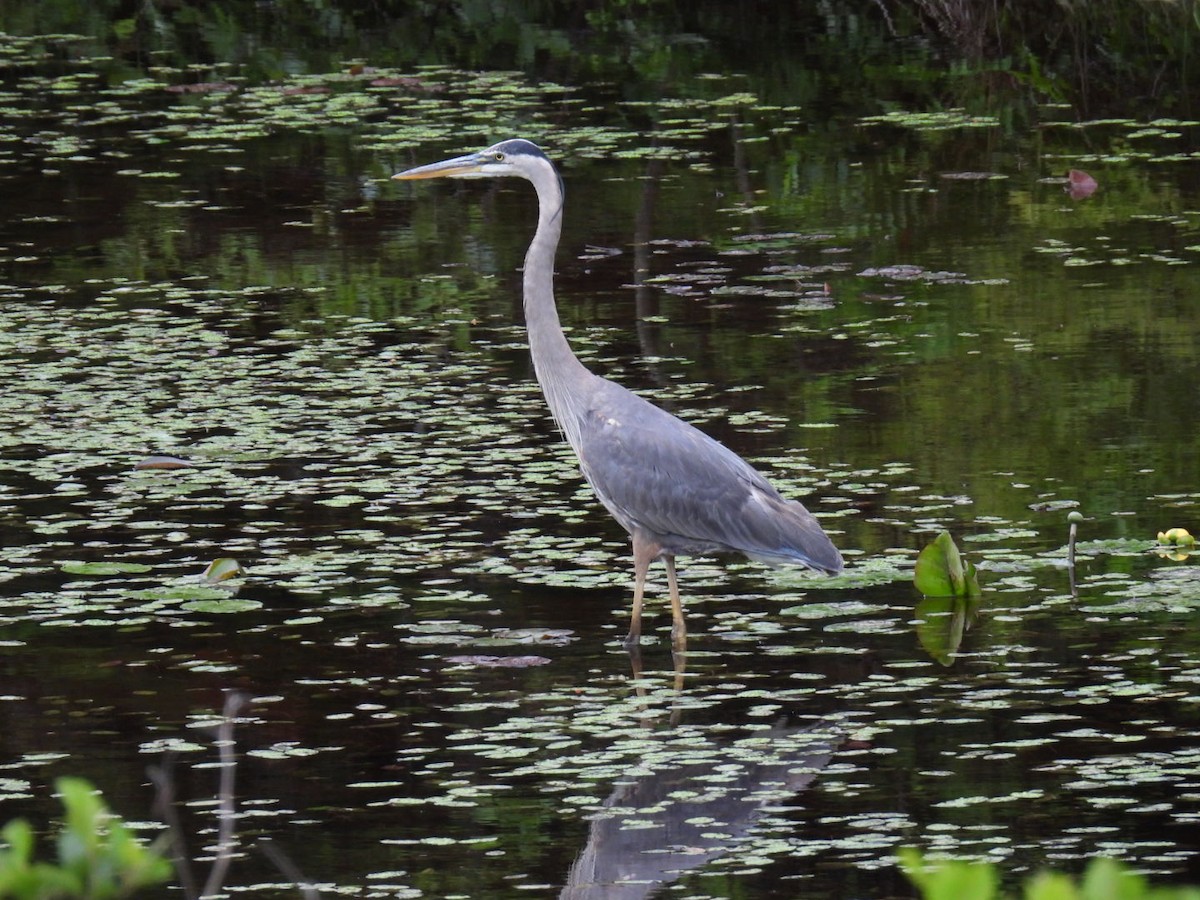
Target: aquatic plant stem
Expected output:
[289,869]
[234,701]
[1074,517]
[164,802]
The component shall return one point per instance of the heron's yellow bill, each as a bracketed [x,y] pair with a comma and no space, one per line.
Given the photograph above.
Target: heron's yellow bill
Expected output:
[468,166]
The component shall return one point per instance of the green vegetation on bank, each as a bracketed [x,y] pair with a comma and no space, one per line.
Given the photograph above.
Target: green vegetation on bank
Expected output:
[1104,879]
[98,856]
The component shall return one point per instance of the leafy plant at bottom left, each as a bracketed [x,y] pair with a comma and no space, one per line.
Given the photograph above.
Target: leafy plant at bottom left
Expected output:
[98,856]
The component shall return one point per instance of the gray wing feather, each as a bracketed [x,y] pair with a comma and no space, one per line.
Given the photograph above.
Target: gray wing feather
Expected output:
[655,472]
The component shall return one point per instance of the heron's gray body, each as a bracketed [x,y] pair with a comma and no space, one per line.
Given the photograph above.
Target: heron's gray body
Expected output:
[690,493]
[672,487]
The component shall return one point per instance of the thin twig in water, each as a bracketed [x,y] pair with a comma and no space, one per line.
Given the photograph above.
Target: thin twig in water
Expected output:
[289,869]
[164,804]
[234,701]
[163,780]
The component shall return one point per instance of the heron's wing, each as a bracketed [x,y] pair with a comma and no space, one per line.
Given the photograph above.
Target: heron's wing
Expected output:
[655,472]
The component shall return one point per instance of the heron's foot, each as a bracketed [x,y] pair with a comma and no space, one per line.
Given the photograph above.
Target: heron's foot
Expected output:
[632,641]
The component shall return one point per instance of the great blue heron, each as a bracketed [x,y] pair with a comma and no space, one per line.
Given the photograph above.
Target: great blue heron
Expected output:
[672,487]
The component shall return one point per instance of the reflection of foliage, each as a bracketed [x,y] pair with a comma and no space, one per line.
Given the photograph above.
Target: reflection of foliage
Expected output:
[941,624]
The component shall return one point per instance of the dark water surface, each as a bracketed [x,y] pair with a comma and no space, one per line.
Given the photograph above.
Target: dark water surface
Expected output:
[906,322]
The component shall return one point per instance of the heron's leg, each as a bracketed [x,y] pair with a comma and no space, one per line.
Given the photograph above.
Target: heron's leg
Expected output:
[644,552]
[679,658]
[678,628]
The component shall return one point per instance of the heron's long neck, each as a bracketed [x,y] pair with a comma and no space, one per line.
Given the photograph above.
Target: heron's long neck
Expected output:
[557,368]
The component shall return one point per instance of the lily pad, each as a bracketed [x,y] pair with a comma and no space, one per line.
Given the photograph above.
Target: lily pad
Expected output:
[104,568]
[224,605]
[498,662]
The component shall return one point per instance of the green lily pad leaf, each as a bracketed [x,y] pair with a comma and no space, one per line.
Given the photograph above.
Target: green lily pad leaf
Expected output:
[77,567]
[1116,546]
[498,662]
[940,571]
[226,605]
[555,636]
[220,569]
[179,592]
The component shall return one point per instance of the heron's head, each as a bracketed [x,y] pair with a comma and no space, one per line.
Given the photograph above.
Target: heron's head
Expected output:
[514,157]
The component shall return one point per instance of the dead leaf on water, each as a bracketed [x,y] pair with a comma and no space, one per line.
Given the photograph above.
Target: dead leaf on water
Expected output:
[203,87]
[163,462]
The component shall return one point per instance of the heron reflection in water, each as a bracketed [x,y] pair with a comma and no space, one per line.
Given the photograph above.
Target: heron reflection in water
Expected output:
[676,815]
[673,488]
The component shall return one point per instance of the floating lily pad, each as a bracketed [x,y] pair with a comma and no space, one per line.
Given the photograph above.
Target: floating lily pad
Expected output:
[104,568]
[498,662]
[224,605]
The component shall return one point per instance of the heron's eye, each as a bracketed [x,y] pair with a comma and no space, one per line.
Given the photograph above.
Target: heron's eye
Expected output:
[498,156]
